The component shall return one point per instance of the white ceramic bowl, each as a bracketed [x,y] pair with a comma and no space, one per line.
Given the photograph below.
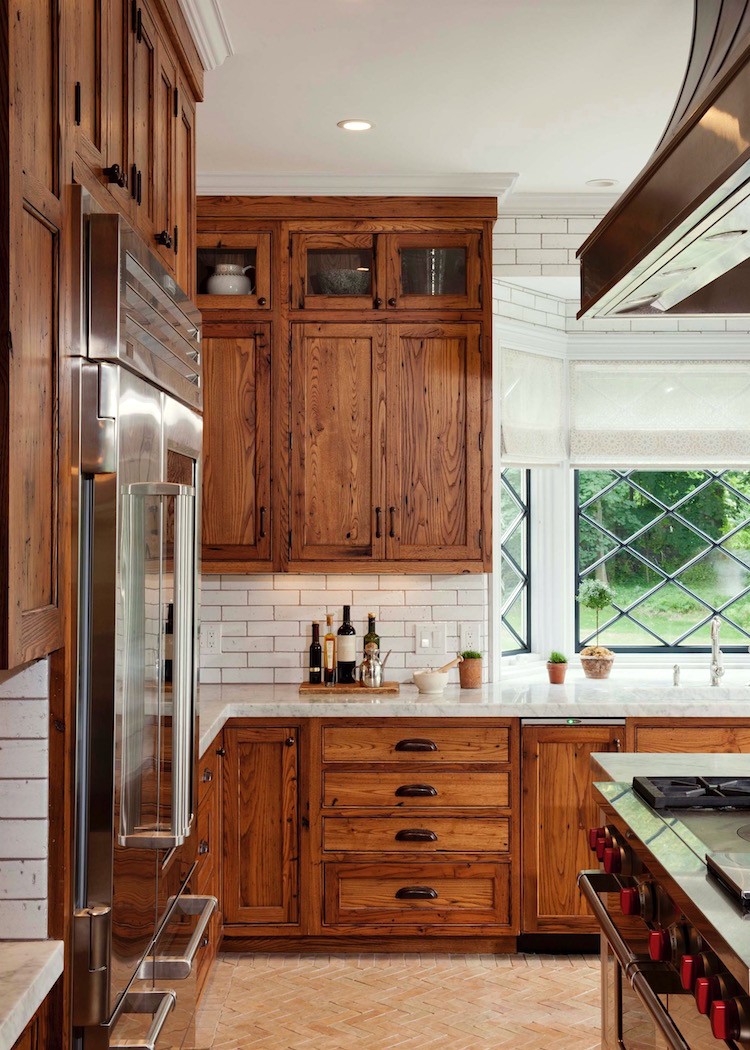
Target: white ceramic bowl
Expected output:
[430,682]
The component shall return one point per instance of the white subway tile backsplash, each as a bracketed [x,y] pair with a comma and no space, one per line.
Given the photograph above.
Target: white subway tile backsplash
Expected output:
[23,839]
[23,758]
[23,880]
[23,920]
[23,799]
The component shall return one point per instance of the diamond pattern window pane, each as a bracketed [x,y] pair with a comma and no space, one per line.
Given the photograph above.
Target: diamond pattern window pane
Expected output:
[693,528]
[514,561]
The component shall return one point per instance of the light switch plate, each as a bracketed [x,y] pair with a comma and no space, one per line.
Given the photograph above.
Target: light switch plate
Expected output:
[429,639]
[211,639]
[470,636]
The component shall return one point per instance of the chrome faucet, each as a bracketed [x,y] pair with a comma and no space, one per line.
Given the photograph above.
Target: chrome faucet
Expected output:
[717,668]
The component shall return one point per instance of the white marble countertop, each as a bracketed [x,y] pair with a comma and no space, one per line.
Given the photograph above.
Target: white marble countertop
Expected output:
[621,768]
[631,695]
[28,970]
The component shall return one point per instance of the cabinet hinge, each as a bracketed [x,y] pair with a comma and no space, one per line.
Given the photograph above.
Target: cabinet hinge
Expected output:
[480,539]
[290,439]
[176,101]
[290,541]
[480,441]
[77,104]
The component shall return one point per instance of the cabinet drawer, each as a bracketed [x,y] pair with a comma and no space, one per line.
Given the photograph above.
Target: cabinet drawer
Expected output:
[398,790]
[409,894]
[208,846]
[427,834]
[407,744]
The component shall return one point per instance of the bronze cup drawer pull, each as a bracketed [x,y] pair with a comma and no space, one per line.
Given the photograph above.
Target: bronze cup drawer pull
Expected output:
[416,744]
[416,835]
[416,791]
[416,893]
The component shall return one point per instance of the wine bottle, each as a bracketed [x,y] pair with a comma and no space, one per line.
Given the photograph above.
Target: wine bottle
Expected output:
[346,660]
[316,656]
[372,637]
[329,653]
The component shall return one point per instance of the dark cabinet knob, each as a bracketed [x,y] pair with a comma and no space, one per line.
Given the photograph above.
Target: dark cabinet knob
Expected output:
[164,237]
[392,301]
[204,943]
[262,300]
[415,835]
[377,303]
[289,741]
[416,791]
[221,751]
[416,744]
[416,893]
[203,848]
[378,533]
[262,529]
[115,175]
[208,775]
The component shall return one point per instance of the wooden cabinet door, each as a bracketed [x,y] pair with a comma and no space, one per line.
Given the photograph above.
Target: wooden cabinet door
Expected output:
[335,271]
[260,860]
[237,445]
[434,433]
[144,84]
[163,157]
[116,87]
[709,736]
[558,810]
[184,190]
[429,271]
[338,441]
[90,96]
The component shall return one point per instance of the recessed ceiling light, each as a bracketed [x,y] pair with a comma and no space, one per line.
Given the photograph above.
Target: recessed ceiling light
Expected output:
[354,124]
[602,184]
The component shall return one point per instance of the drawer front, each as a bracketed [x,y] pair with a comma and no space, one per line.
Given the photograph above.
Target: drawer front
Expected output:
[416,834]
[410,894]
[208,845]
[434,790]
[424,744]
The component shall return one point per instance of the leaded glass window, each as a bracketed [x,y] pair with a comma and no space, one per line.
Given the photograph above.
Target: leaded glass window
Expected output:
[674,545]
[514,561]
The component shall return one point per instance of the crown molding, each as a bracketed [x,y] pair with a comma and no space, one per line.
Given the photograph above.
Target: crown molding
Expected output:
[517,335]
[596,204]
[208,30]
[463,184]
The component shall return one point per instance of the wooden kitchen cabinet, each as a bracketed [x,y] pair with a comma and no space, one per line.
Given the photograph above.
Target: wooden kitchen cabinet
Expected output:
[558,810]
[380,372]
[45,1029]
[184,189]
[252,252]
[260,863]
[236,446]
[717,735]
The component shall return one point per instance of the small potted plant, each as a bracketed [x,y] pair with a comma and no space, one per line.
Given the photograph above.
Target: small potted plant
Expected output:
[596,659]
[557,665]
[470,670]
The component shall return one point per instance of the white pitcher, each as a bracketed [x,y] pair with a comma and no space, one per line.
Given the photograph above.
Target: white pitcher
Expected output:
[230,279]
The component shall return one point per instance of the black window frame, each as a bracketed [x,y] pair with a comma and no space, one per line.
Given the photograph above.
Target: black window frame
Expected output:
[524,572]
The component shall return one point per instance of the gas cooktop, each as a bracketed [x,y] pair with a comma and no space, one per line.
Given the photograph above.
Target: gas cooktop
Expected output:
[694,792]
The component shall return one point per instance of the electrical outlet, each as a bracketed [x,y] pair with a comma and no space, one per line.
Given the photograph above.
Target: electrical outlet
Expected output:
[429,639]
[470,635]
[211,639]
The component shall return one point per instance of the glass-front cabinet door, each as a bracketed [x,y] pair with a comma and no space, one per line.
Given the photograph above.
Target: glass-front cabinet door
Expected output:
[234,271]
[335,271]
[428,270]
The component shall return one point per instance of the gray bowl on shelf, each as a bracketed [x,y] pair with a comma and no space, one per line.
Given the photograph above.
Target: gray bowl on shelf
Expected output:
[343,282]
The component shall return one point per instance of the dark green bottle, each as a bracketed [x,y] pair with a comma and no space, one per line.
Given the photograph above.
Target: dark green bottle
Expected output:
[372,637]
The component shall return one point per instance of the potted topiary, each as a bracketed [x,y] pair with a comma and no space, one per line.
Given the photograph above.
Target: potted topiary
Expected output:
[596,659]
[557,665]
[470,670]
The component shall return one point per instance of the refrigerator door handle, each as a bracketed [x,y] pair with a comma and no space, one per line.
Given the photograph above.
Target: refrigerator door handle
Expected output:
[159,1004]
[134,831]
[178,967]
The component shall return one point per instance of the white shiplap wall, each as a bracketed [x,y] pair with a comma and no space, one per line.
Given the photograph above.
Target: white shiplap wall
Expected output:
[265,620]
[24,718]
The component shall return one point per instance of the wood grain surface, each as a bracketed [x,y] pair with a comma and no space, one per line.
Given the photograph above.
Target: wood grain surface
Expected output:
[460,834]
[365,744]
[385,789]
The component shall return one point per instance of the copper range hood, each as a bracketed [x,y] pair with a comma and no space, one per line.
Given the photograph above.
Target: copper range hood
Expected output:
[678,240]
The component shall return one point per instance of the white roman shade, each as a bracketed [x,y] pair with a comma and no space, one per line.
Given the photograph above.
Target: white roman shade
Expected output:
[532,412]
[665,413]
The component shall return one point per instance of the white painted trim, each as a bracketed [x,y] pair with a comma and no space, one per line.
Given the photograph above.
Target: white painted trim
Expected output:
[656,346]
[517,335]
[209,31]
[463,184]
[537,204]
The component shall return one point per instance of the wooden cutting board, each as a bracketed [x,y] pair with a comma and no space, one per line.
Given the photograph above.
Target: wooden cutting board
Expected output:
[386,689]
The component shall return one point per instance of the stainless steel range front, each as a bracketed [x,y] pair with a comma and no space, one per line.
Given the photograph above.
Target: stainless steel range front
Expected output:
[137,925]
[671,904]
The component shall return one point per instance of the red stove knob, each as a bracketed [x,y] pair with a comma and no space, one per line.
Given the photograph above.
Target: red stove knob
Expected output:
[707,990]
[612,860]
[726,1019]
[594,835]
[630,901]
[691,968]
[602,843]
[659,946]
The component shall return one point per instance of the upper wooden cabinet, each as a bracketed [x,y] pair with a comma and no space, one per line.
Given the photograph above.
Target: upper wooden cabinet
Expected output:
[381,367]
[184,188]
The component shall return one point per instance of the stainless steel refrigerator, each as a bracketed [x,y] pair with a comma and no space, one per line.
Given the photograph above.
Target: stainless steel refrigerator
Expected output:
[138,928]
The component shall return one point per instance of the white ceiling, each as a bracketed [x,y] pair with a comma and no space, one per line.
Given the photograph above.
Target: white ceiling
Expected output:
[560,91]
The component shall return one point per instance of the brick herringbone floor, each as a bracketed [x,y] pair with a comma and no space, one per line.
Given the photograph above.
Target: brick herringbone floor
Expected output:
[401,1002]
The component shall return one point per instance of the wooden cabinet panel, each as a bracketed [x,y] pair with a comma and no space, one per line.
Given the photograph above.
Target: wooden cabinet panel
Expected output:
[425,834]
[260,856]
[144,78]
[35,45]
[336,271]
[163,157]
[710,737]
[426,745]
[252,252]
[338,435]
[558,810]
[237,446]
[184,190]
[431,790]
[89,93]
[419,893]
[434,431]
[438,270]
